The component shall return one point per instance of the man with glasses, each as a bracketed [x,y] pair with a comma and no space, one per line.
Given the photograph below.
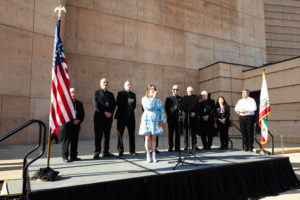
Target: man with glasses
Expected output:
[172,109]
[70,130]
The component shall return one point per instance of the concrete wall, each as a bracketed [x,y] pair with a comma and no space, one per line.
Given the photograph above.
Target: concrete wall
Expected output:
[157,41]
[223,79]
[282,20]
[283,82]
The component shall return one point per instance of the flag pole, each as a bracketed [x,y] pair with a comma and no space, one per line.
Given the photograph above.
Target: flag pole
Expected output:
[58,9]
[48,151]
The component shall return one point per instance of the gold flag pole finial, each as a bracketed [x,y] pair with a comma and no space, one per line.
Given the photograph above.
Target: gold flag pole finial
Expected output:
[59,9]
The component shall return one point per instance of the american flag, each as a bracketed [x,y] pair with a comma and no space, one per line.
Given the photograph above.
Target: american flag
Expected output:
[61,106]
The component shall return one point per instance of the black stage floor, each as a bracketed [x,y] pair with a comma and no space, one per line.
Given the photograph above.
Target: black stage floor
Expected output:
[217,174]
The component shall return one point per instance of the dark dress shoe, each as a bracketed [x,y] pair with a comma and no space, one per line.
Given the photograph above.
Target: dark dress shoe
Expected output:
[76,159]
[107,154]
[177,150]
[133,153]
[66,160]
[196,148]
[96,157]
[170,150]
[121,154]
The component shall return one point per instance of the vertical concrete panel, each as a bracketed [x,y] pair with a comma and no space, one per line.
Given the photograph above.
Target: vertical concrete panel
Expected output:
[41,66]
[15,61]
[15,112]
[130,39]
[150,11]
[17,14]
[100,34]
[44,17]
[179,49]
[155,44]
[70,37]
[198,51]
[124,8]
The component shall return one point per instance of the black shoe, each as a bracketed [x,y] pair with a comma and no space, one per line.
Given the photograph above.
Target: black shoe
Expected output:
[177,150]
[185,148]
[170,150]
[196,148]
[107,154]
[66,160]
[96,157]
[251,149]
[157,152]
[76,159]
[225,148]
[133,153]
[121,153]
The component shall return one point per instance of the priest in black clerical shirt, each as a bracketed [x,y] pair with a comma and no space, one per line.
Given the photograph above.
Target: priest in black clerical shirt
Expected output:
[126,102]
[105,105]
[172,110]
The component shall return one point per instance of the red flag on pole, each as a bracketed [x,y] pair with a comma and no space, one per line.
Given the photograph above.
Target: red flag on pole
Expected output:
[61,106]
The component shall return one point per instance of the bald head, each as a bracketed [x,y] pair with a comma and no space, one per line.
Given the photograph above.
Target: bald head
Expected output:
[103,84]
[189,90]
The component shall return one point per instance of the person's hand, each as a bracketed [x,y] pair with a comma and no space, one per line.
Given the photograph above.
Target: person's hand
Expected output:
[130,100]
[107,114]
[205,118]
[154,94]
[160,124]
[243,111]
[223,121]
[193,114]
[76,121]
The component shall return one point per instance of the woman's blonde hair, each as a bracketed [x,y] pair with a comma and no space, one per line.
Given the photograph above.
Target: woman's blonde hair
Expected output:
[148,89]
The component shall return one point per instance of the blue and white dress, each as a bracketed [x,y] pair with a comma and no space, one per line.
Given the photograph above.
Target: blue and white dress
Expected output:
[153,113]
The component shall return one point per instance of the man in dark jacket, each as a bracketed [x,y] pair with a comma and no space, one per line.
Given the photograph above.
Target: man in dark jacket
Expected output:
[105,105]
[70,130]
[206,109]
[172,109]
[126,102]
[191,124]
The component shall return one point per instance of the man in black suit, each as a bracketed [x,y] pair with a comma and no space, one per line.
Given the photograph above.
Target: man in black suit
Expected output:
[206,109]
[126,102]
[70,130]
[105,105]
[172,109]
[193,119]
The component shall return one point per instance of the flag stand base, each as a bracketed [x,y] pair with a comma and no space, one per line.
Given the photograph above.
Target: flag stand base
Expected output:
[45,174]
[263,152]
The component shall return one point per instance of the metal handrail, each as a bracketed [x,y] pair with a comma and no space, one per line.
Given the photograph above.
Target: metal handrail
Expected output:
[42,130]
[272,137]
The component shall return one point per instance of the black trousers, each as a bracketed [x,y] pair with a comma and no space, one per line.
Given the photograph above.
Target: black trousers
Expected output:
[102,125]
[174,127]
[191,130]
[128,122]
[223,130]
[70,136]
[207,129]
[247,127]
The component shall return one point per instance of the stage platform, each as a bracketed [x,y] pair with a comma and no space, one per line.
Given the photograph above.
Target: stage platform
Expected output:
[231,174]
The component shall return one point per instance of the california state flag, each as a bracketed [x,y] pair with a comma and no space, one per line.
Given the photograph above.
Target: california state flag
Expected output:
[264,110]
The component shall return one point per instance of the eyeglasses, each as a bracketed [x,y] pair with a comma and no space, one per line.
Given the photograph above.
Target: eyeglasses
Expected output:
[175,89]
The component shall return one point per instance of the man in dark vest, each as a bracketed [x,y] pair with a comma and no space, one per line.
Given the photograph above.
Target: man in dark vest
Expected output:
[172,109]
[105,105]
[126,102]
[70,130]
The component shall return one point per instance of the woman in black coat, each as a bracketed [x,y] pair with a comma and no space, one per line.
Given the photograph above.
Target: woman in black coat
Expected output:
[223,120]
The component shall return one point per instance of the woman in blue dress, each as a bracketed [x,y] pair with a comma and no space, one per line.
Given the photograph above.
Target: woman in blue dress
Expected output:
[152,120]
